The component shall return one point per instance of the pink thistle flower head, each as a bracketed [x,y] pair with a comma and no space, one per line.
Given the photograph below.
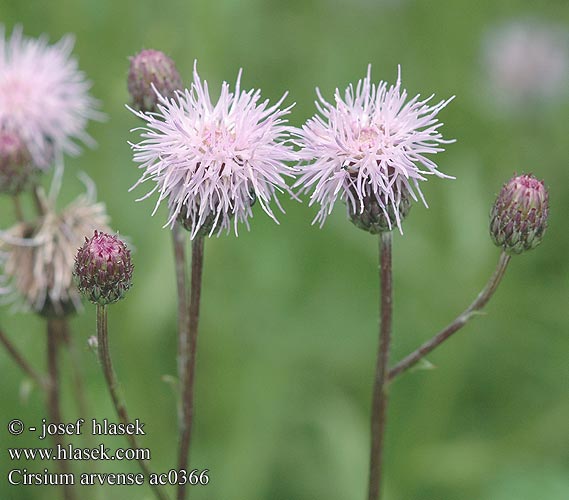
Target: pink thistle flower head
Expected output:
[369,149]
[44,97]
[212,161]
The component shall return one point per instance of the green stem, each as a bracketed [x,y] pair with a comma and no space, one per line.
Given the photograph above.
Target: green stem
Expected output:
[26,367]
[54,334]
[483,297]
[190,359]
[18,208]
[380,396]
[178,240]
[114,390]
[38,201]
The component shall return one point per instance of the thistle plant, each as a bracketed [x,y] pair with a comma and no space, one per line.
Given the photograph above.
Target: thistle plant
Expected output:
[371,148]
[45,106]
[37,260]
[210,162]
[103,271]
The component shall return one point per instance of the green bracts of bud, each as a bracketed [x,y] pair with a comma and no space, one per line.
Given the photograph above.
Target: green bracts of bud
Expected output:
[519,217]
[103,269]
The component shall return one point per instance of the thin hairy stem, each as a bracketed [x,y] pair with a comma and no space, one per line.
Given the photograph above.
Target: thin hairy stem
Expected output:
[114,390]
[190,358]
[18,208]
[380,396]
[483,297]
[54,334]
[38,201]
[178,240]
[26,367]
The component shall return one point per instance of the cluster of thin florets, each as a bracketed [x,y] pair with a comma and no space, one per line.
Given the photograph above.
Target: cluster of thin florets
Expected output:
[369,147]
[211,162]
[44,98]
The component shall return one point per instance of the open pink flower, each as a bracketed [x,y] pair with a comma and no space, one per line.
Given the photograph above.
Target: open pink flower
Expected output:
[44,97]
[211,162]
[369,146]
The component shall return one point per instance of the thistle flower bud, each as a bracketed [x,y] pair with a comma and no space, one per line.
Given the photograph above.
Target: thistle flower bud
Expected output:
[151,67]
[16,166]
[519,217]
[188,222]
[376,217]
[103,269]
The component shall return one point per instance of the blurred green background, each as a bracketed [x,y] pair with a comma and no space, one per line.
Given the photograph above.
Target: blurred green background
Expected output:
[290,312]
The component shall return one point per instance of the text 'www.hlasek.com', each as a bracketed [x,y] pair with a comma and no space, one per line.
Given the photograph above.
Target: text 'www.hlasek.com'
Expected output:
[25,475]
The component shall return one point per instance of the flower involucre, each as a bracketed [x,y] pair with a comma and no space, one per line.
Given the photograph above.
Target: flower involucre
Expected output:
[519,216]
[44,97]
[16,169]
[368,148]
[211,162]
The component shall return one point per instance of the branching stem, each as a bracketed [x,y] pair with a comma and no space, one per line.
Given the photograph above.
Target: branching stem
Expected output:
[483,297]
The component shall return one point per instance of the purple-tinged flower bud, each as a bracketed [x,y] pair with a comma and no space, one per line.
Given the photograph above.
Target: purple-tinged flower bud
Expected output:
[519,217]
[16,166]
[151,67]
[376,214]
[103,269]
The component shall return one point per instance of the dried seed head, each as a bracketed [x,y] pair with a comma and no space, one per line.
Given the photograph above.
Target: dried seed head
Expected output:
[103,268]
[147,68]
[519,217]
[38,257]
